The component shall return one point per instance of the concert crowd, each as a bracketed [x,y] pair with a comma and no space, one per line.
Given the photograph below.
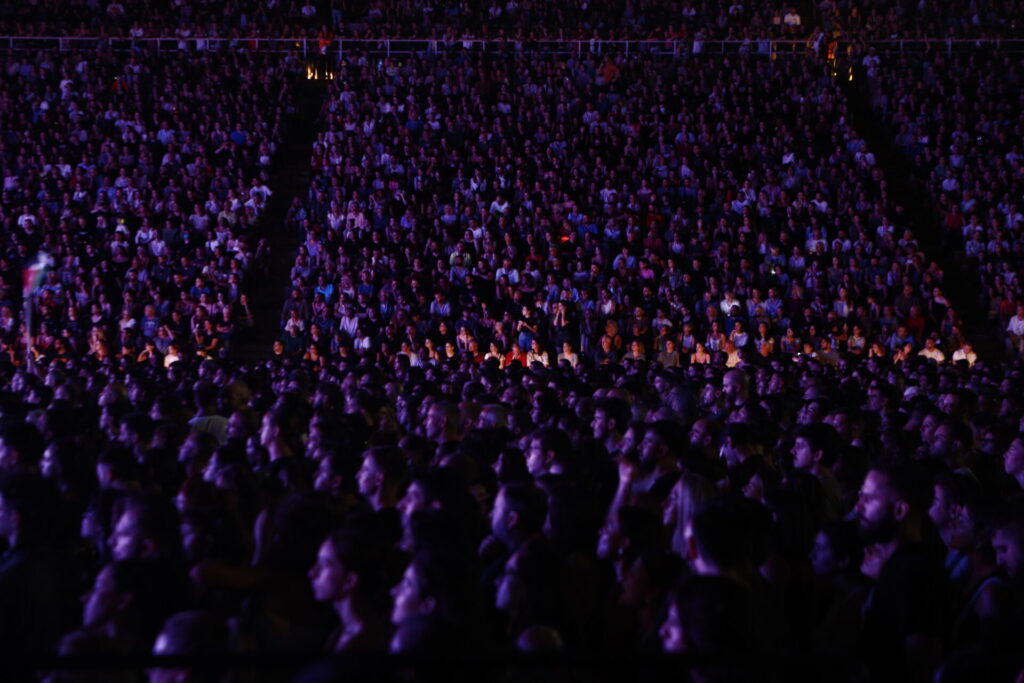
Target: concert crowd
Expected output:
[590,354]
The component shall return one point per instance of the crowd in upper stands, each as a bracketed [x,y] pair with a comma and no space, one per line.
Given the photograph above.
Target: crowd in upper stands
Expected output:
[603,211]
[142,179]
[593,354]
[964,148]
[515,19]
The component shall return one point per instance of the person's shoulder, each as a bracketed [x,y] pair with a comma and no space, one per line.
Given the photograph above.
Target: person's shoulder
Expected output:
[914,562]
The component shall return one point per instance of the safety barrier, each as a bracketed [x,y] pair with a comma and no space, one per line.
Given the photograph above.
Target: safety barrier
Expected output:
[312,47]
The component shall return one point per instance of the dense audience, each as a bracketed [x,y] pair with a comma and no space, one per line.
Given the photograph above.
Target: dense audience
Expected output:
[777,507]
[526,19]
[963,146]
[599,354]
[922,20]
[595,211]
[142,180]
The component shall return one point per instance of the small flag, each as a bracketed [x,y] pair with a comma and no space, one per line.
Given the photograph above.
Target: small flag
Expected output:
[32,277]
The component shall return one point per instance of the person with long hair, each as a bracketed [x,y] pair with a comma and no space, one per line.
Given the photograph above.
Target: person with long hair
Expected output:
[348,574]
[688,494]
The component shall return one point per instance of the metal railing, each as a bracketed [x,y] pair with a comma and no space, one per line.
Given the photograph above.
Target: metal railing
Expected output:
[312,47]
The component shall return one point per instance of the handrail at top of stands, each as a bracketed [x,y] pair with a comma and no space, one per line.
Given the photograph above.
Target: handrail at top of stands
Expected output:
[337,46]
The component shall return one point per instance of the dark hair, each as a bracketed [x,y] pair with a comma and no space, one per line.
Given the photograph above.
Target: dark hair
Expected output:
[294,475]
[157,589]
[716,614]
[539,573]
[390,460]
[24,439]
[444,564]
[617,409]
[75,469]
[365,556]
[844,538]
[640,526]
[824,438]
[907,480]
[344,464]
[299,525]
[445,486]
[196,633]
[157,520]
[572,519]
[140,425]
[511,466]
[120,461]
[450,411]
[726,530]
[670,434]
[529,503]
[742,435]
[34,499]
[555,440]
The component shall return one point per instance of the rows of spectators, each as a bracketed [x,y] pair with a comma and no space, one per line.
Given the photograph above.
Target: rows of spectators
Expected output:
[964,147]
[924,19]
[784,510]
[595,355]
[643,19]
[599,211]
[526,20]
[142,179]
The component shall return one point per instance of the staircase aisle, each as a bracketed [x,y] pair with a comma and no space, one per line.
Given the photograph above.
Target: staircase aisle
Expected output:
[289,179]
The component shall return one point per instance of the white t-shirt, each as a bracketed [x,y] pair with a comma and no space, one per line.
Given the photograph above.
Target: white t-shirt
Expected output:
[960,355]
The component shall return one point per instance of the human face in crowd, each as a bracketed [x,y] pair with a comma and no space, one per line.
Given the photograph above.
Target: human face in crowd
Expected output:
[700,435]
[237,428]
[730,453]
[102,601]
[601,425]
[435,423]
[499,517]
[732,386]
[328,576]
[49,467]
[126,541]
[1013,458]
[877,509]
[671,631]
[823,557]
[652,448]
[536,458]
[406,599]
[413,501]
[268,431]
[369,477]
[1008,544]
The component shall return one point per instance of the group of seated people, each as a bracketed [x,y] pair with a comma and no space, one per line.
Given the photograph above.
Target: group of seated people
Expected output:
[784,513]
[962,145]
[884,20]
[491,19]
[877,20]
[579,354]
[594,212]
[142,180]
